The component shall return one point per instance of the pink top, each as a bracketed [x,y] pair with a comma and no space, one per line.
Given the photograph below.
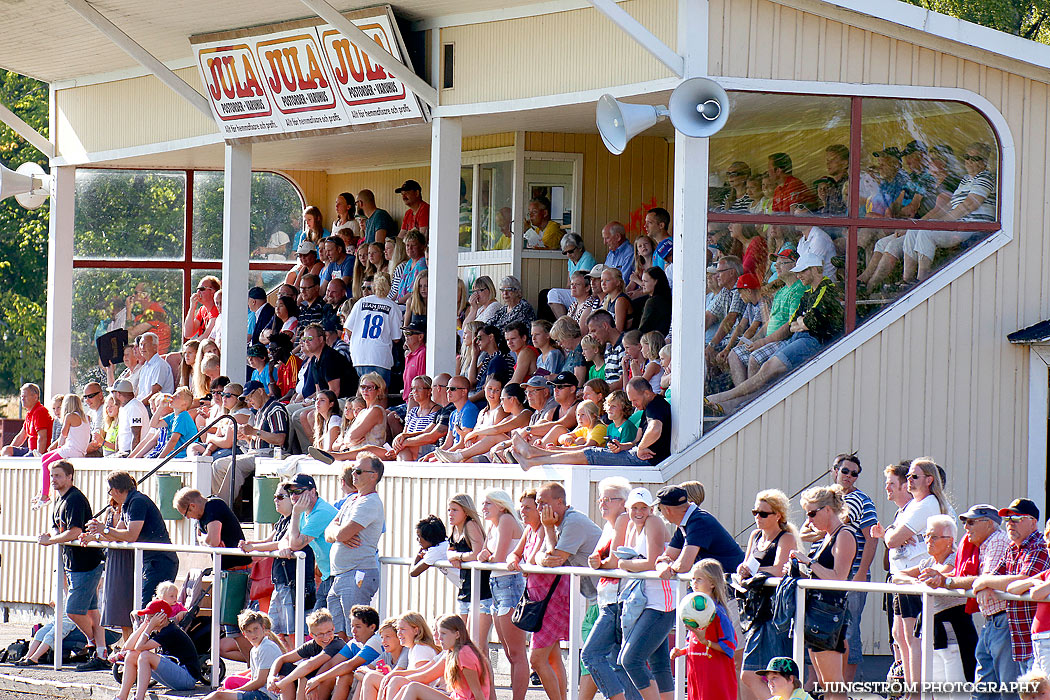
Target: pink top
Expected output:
[461,691]
[415,365]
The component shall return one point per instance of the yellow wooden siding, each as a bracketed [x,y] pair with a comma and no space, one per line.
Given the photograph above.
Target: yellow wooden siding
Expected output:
[313,184]
[108,116]
[554,53]
[614,187]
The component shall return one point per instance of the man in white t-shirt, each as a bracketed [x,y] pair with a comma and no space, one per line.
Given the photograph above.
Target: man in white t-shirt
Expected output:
[131,418]
[155,372]
[373,326]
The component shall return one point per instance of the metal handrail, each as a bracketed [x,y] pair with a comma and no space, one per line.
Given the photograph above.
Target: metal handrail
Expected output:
[202,431]
[216,592]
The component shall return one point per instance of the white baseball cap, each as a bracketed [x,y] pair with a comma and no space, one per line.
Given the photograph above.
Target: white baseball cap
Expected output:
[807,261]
[639,495]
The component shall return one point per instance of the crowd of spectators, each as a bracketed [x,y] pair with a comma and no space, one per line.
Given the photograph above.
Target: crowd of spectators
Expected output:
[627,624]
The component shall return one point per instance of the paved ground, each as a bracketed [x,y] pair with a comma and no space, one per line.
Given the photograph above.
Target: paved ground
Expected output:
[17,683]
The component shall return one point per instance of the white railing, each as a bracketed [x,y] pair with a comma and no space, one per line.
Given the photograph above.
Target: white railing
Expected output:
[216,591]
[681,589]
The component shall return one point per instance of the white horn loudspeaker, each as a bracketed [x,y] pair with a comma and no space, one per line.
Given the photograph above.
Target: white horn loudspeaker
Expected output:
[29,185]
[698,107]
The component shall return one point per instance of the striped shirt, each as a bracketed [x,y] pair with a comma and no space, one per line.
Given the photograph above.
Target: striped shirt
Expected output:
[862,515]
[614,353]
[271,418]
[983,185]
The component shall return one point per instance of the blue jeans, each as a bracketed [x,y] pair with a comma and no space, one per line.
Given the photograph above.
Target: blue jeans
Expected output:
[855,604]
[345,594]
[646,655]
[323,589]
[173,674]
[995,661]
[600,652]
[155,571]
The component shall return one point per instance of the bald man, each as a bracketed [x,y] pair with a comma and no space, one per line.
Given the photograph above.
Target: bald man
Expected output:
[621,254]
[378,223]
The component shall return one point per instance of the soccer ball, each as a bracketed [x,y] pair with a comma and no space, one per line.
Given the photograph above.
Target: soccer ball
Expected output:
[696,610]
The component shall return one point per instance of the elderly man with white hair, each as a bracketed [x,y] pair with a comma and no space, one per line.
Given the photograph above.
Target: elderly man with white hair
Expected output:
[154,372]
[515,308]
[953,654]
[817,321]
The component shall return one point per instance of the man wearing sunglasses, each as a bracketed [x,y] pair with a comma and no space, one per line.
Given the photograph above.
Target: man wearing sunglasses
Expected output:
[311,515]
[268,428]
[94,399]
[202,308]
[1026,557]
[354,535]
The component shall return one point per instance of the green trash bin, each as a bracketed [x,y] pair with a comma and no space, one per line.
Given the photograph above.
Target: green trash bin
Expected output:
[234,594]
[167,486]
[263,509]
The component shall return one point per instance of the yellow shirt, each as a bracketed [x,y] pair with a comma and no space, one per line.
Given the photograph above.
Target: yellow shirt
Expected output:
[597,434]
[551,235]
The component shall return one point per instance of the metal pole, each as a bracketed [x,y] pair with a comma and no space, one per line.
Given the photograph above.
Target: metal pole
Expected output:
[233,463]
[575,626]
[926,668]
[475,609]
[138,580]
[681,590]
[798,647]
[216,616]
[60,605]
[300,596]
[384,597]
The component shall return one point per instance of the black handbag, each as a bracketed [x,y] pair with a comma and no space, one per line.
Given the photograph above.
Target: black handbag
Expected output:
[824,622]
[528,614]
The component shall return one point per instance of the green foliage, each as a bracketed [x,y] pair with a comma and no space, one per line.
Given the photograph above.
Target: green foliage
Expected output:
[23,255]
[1024,18]
[134,214]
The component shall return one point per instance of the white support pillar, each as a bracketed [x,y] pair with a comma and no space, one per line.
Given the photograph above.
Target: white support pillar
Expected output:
[690,254]
[518,205]
[1038,413]
[57,378]
[236,229]
[446,147]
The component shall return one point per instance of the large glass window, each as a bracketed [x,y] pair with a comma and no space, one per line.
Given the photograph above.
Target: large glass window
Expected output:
[137,259]
[883,192]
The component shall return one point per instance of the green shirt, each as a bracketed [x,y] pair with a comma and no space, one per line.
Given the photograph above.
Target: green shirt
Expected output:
[785,302]
[627,431]
[593,373]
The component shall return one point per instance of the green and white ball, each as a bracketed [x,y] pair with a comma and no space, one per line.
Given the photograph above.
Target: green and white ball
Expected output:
[696,610]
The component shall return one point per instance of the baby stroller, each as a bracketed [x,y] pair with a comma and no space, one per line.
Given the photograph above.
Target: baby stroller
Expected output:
[196,626]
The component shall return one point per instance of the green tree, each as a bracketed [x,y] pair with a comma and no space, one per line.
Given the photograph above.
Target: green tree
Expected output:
[1024,18]
[23,257]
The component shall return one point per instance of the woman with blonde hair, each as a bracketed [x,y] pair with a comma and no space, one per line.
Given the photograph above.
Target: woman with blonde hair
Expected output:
[201,385]
[395,252]
[694,491]
[768,550]
[832,559]
[72,443]
[466,539]
[483,301]
[313,227]
[416,305]
[414,634]
[363,267]
[367,432]
[505,529]
[219,443]
[468,350]
[188,357]
[462,304]
[615,300]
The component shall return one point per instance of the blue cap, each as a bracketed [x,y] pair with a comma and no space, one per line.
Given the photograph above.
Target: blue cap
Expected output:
[250,387]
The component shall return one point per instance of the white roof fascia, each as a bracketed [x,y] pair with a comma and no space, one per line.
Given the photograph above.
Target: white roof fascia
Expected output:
[939,25]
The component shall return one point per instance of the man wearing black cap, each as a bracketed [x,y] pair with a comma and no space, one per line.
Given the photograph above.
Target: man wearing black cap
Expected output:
[415,353]
[1025,558]
[697,535]
[562,418]
[261,313]
[417,216]
[268,428]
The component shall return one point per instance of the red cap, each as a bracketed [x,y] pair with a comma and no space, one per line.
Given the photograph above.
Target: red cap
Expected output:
[747,281]
[155,607]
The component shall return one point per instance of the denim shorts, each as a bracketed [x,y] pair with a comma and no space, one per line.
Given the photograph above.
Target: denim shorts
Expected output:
[83,590]
[506,592]
[173,674]
[600,456]
[797,349]
[282,609]
[252,695]
[463,606]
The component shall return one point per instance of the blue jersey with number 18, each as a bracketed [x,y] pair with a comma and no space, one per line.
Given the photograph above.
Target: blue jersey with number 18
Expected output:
[374,324]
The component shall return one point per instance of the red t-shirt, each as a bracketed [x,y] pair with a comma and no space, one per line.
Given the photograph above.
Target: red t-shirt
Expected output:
[204,315]
[755,256]
[416,219]
[1041,623]
[792,191]
[156,317]
[39,418]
